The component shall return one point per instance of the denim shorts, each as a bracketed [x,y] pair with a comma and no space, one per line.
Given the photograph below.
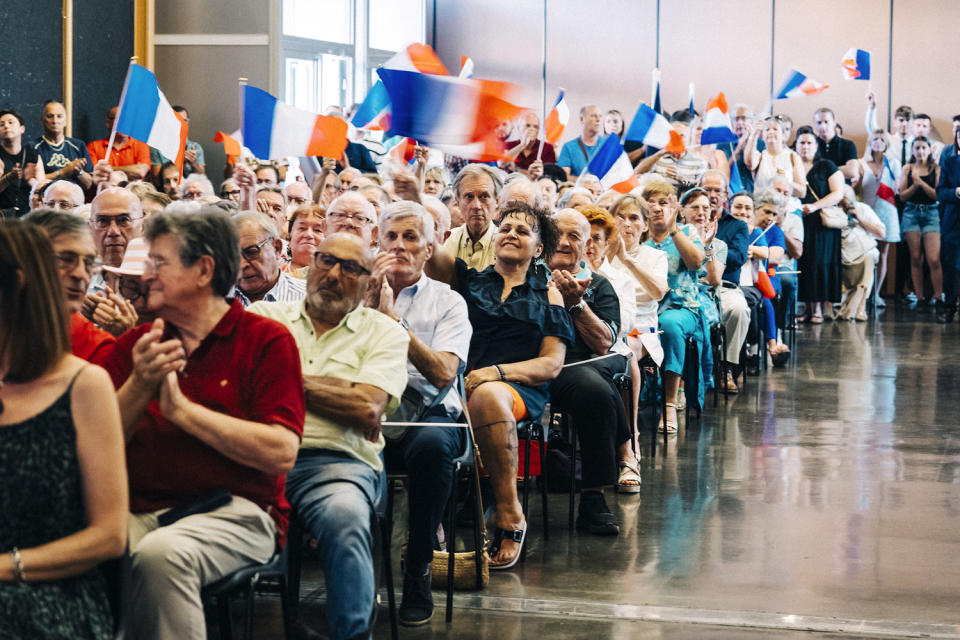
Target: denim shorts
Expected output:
[924,218]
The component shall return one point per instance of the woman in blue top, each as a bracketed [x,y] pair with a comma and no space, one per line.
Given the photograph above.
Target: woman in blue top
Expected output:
[682,313]
[520,336]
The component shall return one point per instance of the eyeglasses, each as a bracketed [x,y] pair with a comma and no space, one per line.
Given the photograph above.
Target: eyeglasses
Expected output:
[297,200]
[131,288]
[123,221]
[69,260]
[326,261]
[60,205]
[252,252]
[226,193]
[359,217]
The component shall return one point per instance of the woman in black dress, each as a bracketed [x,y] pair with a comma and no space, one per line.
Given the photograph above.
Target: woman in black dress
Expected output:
[63,484]
[820,274]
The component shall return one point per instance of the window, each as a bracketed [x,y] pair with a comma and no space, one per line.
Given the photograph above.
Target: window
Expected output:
[330,49]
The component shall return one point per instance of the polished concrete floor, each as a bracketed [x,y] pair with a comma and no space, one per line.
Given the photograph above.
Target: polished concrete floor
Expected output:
[824,497]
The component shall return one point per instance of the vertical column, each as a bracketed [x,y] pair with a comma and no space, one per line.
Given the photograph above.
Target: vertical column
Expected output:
[68,64]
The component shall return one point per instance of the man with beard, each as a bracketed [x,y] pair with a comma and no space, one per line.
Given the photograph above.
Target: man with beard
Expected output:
[354,370]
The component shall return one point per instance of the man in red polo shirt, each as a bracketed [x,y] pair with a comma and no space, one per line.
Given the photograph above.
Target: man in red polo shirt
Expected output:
[212,404]
[127,155]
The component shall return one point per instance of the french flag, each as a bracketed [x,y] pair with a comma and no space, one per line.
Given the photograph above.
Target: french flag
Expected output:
[797,85]
[856,64]
[716,123]
[272,129]
[653,130]
[456,115]
[145,115]
[374,112]
[466,67]
[611,164]
[417,57]
[556,120]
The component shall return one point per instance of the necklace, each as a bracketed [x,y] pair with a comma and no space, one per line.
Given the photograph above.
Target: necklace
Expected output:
[55,147]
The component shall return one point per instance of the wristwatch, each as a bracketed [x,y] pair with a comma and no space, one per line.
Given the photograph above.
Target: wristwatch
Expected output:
[576,309]
[404,324]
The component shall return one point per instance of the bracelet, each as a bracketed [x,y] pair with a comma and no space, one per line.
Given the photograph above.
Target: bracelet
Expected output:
[17,565]
[499,372]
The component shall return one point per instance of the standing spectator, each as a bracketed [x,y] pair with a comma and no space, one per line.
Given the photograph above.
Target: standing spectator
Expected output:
[819,282]
[613,124]
[211,399]
[921,219]
[923,128]
[62,484]
[830,146]
[576,154]
[20,167]
[63,158]
[127,155]
[879,184]
[776,160]
[900,140]
[743,126]
[948,193]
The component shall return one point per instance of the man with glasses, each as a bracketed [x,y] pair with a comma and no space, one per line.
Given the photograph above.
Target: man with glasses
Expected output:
[77,263]
[61,195]
[115,218]
[298,194]
[260,277]
[230,191]
[195,187]
[351,213]
[354,370]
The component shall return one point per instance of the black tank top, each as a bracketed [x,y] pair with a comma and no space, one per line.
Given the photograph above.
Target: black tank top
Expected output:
[920,197]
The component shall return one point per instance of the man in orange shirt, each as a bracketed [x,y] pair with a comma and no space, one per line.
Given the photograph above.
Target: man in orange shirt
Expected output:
[128,155]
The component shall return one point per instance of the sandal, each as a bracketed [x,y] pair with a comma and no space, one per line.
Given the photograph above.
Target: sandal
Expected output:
[780,358]
[817,319]
[671,425]
[629,479]
[499,535]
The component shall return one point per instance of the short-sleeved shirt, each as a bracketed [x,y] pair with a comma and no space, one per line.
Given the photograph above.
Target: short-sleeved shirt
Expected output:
[365,347]
[157,158]
[681,280]
[247,367]
[572,154]
[529,156]
[654,262]
[437,316]
[477,255]
[16,195]
[60,155]
[837,150]
[131,152]
[602,299]
[511,330]
[88,342]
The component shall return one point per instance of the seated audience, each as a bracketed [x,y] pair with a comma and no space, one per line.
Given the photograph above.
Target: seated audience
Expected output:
[230,191]
[260,276]
[519,188]
[575,197]
[435,317]
[76,261]
[169,178]
[115,218]
[477,188]
[195,186]
[306,229]
[587,391]
[62,195]
[526,152]
[520,333]
[435,180]
[62,483]
[548,192]
[352,213]
[211,440]
[153,202]
[353,361]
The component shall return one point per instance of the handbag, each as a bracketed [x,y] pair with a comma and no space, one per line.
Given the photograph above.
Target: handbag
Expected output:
[831,217]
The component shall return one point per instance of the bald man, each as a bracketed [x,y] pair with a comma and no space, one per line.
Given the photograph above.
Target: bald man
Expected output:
[587,391]
[575,154]
[116,218]
[352,213]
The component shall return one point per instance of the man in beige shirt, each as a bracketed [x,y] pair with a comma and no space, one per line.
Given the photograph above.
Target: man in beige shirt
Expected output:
[478,191]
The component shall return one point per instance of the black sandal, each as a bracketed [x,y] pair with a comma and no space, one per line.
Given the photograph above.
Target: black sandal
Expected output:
[499,535]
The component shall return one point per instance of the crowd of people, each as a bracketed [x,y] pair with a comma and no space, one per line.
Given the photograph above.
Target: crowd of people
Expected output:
[186,368]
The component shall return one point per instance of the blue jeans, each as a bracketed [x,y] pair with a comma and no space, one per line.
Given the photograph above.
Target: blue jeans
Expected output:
[677,325]
[335,497]
[924,218]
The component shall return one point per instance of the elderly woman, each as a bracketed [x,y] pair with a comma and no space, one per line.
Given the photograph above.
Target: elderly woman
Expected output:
[520,335]
[819,265]
[859,254]
[682,312]
[306,229]
[766,207]
[776,161]
[62,481]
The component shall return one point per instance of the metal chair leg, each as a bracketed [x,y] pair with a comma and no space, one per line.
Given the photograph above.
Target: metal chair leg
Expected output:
[573,468]
[526,486]
[451,535]
[542,482]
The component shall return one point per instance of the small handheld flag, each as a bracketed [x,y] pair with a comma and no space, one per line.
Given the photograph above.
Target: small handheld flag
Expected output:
[611,164]
[273,129]
[144,114]
[716,123]
[466,67]
[556,120]
[374,112]
[856,64]
[797,84]
[652,129]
